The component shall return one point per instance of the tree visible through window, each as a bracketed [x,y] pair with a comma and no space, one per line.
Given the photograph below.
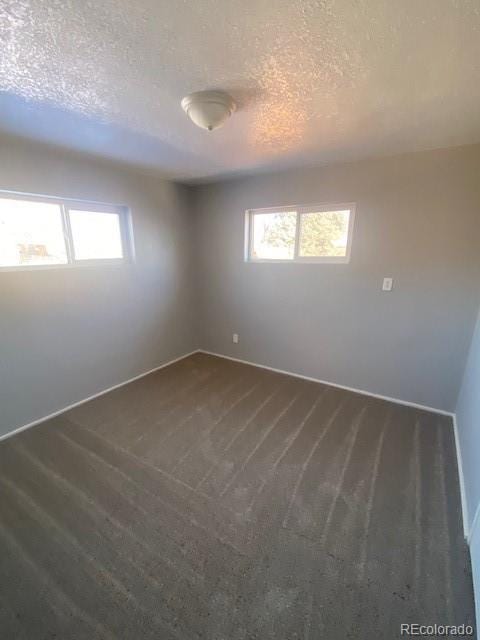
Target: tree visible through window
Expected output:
[274,235]
[324,233]
[308,234]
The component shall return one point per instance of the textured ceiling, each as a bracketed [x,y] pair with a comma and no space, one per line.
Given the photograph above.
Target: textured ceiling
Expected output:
[315,80]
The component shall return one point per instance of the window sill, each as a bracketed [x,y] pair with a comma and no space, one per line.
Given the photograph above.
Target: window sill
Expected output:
[60,267]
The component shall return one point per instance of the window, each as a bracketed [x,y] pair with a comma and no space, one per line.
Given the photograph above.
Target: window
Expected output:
[320,233]
[40,232]
[96,235]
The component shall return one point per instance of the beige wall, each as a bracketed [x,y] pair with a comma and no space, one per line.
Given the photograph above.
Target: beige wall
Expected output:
[417,220]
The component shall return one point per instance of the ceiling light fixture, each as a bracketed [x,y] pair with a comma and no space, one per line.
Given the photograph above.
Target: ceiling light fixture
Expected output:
[208,109]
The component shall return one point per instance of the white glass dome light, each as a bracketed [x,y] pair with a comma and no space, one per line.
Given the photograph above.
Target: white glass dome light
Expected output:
[208,109]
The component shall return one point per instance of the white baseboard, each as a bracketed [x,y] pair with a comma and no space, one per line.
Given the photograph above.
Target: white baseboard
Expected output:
[95,395]
[474,543]
[334,384]
[475,522]
[415,405]
[466,531]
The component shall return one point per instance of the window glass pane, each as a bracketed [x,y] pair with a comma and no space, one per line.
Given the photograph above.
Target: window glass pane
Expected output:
[324,234]
[31,233]
[274,235]
[96,235]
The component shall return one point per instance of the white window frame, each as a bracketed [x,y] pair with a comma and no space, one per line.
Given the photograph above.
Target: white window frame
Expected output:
[67,204]
[300,209]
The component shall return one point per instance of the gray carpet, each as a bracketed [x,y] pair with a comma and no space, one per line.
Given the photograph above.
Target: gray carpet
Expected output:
[216,500]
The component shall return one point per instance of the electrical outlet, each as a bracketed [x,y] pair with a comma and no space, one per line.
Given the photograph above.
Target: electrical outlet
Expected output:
[235,338]
[387,284]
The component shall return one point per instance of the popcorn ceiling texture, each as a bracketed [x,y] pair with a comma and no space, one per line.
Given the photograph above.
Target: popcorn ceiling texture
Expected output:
[316,81]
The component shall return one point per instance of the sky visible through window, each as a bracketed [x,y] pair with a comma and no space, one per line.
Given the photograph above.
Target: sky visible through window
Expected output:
[96,235]
[31,233]
[292,235]
[274,235]
[35,233]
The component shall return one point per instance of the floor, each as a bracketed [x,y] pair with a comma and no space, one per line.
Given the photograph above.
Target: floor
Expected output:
[217,500]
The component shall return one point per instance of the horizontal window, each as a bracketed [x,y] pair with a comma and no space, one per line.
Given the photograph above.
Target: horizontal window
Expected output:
[320,233]
[40,232]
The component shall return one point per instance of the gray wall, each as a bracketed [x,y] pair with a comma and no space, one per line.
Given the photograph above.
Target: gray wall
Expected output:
[416,220]
[67,334]
[468,424]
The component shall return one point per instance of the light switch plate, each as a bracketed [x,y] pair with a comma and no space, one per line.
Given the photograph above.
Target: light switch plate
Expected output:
[387,284]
